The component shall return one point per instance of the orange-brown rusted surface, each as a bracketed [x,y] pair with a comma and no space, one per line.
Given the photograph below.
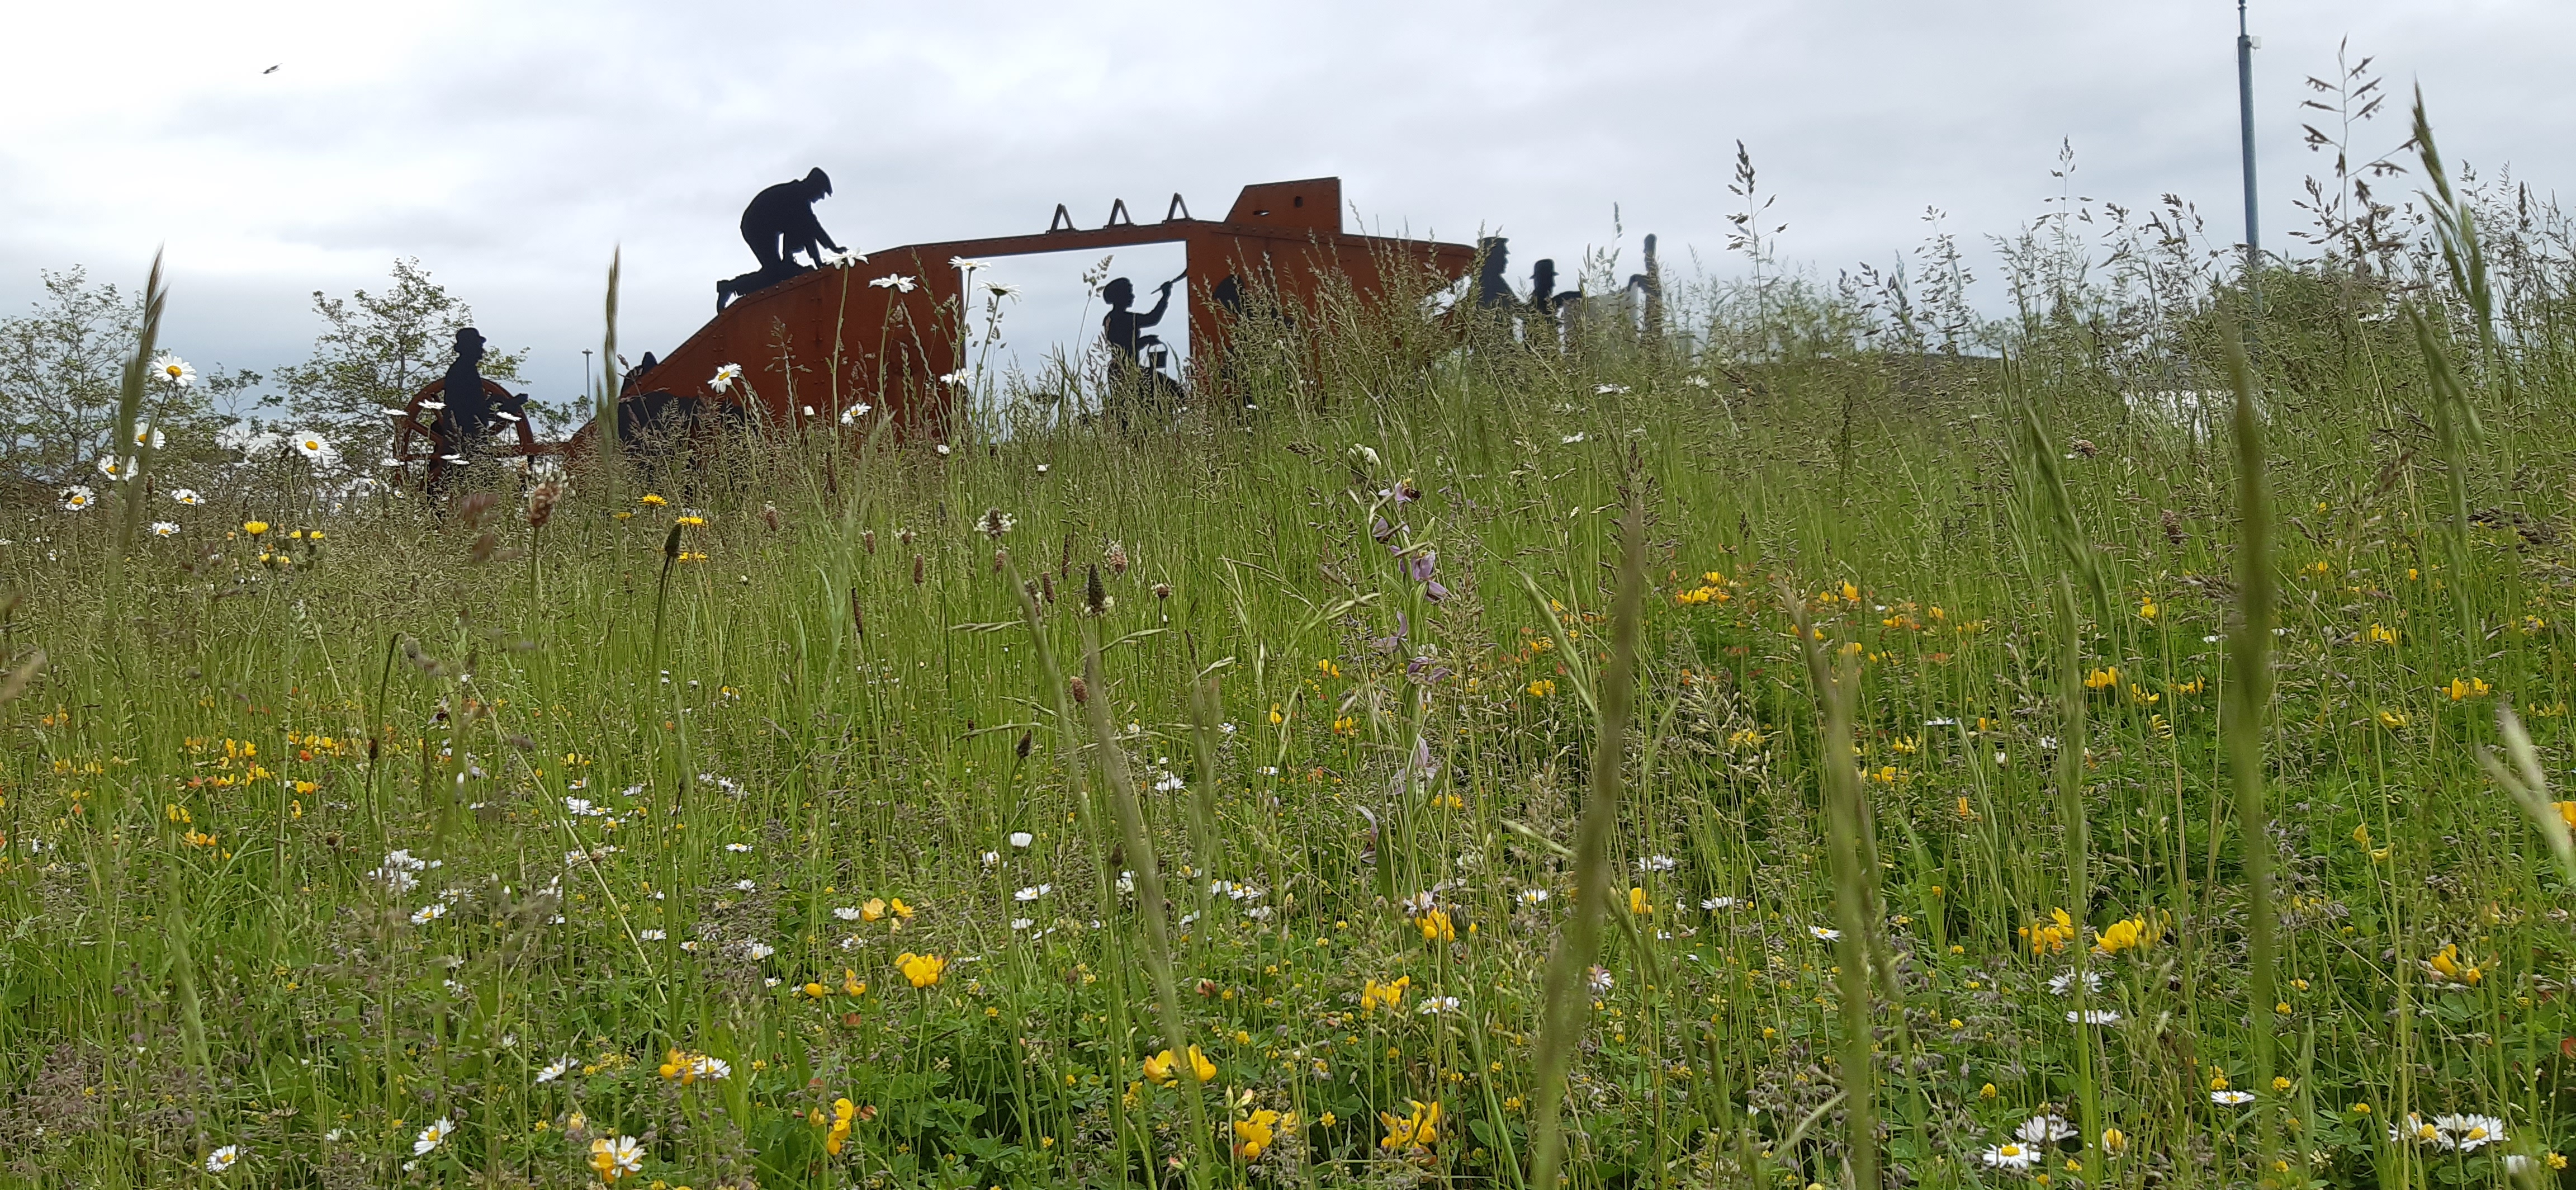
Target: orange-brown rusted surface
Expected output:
[828,339]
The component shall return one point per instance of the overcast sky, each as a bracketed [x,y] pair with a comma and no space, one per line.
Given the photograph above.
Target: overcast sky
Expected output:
[511,146]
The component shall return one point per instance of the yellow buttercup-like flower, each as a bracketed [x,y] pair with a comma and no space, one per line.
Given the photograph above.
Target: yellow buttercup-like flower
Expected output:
[1254,1133]
[1389,995]
[1418,1130]
[2050,937]
[921,969]
[2136,933]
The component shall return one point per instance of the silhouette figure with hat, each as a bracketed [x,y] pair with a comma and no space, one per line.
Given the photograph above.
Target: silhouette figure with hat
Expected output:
[465,422]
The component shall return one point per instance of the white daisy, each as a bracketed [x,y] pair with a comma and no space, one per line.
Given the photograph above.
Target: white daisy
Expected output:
[759,950]
[310,444]
[554,1070]
[2093,1016]
[432,1137]
[2231,1098]
[1825,935]
[1032,893]
[724,378]
[145,435]
[2010,1155]
[2061,982]
[187,496]
[222,1159]
[429,913]
[851,415]
[1022,838]
[1657,863]
[2469,1133]
[171,370]
[117,470]
[894,281]
[624,1155]
[1432,1005]
[1713,904]
[652,935]
[711,1069]
[960,262]
[164,529]
[2044,1130]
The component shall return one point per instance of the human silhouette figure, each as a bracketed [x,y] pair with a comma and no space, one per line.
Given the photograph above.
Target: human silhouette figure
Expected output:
[465,424]
[1545,303]
[1135,387]
[780,222]
[1492,289]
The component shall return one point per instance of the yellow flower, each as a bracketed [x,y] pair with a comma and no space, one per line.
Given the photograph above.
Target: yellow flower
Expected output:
[1851,593]
[694,522]
[1416,1131]
[2106,678]
[254,528]
[1160,1067]
[2147,608]
[1541,687]
[900,909]
[816,991]
[922,969]
[2135,933]
[850,985]
[2392,720]
[1436,926]
[1254,1133]
[2467,688]
[2381,634]
[2567,813]
[2052,936]
[874,910]
[1637,902]
[2448,964]
[1390,995]
[2114,1142]
[650,500]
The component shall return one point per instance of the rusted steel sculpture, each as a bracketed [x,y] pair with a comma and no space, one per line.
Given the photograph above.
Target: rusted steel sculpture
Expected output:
[883,332]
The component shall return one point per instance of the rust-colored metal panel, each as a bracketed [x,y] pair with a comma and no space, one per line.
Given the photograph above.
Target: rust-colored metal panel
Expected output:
[834,338]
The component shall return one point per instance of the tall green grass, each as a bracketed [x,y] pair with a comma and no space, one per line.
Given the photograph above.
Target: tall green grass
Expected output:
[1633,761]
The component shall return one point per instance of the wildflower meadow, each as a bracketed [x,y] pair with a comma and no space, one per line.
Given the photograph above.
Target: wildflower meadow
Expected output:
[1814,735]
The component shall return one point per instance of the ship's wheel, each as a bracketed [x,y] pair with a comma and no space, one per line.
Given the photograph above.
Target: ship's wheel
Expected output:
[421,447]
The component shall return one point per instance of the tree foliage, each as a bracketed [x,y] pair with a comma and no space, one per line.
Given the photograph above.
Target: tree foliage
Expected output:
[59,369]
[377,349]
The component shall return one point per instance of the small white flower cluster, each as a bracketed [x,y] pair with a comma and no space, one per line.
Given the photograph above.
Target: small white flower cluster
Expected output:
[1235,892]
[1657,863]
[401,871]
